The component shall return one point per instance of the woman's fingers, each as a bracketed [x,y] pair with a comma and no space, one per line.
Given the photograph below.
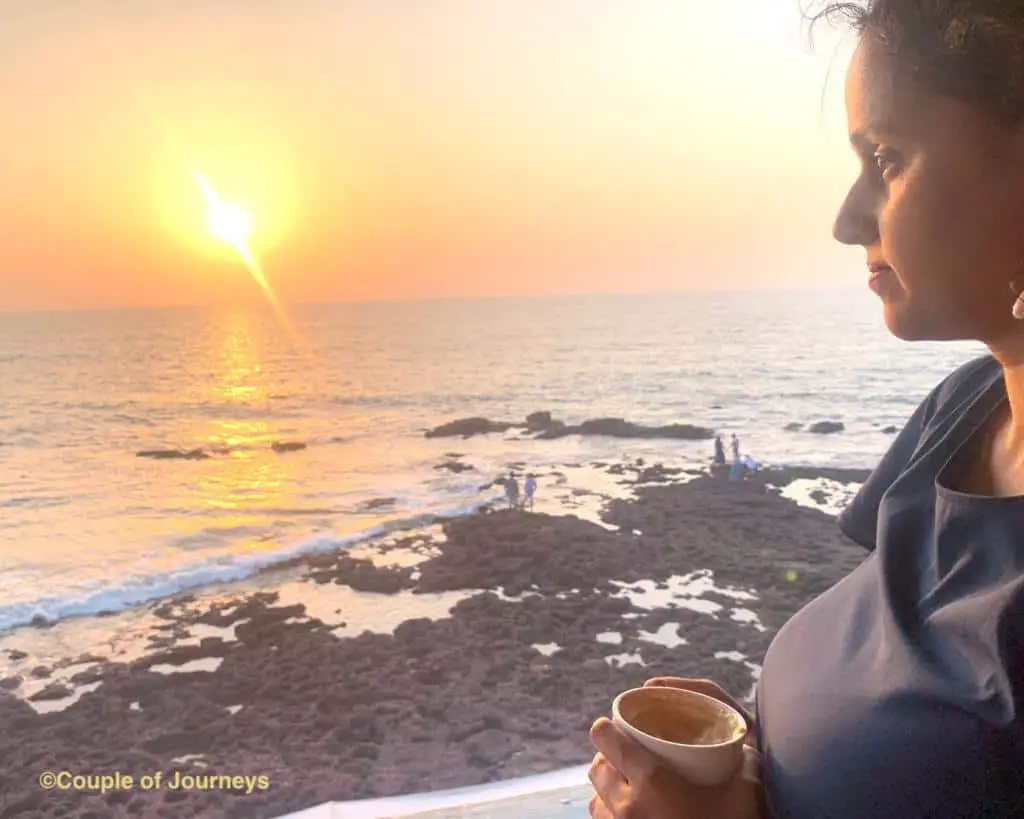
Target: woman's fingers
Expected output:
[630,759]
[598,809]
[608,782]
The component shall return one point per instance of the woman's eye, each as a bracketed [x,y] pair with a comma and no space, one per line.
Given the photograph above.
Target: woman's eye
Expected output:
[888,164]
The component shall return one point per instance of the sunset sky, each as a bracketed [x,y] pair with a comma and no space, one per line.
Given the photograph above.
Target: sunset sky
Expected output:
[415,148]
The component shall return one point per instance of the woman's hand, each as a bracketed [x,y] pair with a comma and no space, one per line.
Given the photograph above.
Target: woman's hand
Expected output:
[631,783]
[710,689]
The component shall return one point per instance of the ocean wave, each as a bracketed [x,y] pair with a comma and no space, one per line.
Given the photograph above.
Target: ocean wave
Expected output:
[34,502]
[141,589]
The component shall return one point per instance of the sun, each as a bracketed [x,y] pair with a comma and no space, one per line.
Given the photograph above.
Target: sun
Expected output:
[225,221]
[228,222]
[232,225]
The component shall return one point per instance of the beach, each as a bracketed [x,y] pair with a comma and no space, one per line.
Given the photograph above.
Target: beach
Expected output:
[478,649]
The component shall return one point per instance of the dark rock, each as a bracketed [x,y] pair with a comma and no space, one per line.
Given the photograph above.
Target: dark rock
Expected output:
[287,446]
[658,473]
[890,430]
[467,427]
[489,747]
[54,691]
[549,428]
[454,466]
[361,575]
[173,454]
[826,427]
[378,503]
[16,655]
[89,675]
[537,421]
[83,659]
[620,428]
[794,427]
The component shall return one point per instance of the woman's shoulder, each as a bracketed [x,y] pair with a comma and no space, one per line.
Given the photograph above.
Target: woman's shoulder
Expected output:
[965,393]
[928,429]
[965,383]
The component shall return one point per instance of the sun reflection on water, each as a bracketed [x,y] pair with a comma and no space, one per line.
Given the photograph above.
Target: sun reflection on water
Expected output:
[246,479]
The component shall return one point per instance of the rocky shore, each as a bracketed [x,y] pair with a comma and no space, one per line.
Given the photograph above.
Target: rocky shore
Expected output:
[556,615]
[543,427]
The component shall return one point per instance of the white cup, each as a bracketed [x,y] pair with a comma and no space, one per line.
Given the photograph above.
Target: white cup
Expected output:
[698,736]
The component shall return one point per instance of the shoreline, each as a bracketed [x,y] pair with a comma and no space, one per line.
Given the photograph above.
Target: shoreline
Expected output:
[533,622]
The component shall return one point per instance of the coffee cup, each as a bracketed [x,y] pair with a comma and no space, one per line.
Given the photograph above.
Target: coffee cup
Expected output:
[698,736]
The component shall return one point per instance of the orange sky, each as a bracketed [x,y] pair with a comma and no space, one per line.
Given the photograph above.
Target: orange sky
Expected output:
[402,149]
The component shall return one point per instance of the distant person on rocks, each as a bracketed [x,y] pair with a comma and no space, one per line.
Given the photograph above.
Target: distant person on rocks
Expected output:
[529,488]
[750,465]
[512,491]
[736,470]
[719,451]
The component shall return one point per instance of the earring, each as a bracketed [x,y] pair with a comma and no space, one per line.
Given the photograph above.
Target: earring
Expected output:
[1017,290]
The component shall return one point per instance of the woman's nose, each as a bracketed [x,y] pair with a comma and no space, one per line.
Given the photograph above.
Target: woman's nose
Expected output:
[857,220]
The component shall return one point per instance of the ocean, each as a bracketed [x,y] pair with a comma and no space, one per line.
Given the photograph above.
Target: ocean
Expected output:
[88,527]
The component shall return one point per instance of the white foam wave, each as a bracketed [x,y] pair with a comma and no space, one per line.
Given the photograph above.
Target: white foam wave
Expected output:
[137,590]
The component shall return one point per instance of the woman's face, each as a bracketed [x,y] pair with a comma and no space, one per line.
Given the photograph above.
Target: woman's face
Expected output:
[938,206]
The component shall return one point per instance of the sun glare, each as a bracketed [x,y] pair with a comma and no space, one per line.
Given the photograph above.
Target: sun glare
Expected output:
[229,223]
[225,221]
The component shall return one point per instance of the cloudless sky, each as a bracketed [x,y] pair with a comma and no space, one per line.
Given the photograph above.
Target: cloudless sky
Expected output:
[417,148]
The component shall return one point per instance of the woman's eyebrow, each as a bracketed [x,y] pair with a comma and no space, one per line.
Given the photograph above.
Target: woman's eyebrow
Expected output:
[867,136]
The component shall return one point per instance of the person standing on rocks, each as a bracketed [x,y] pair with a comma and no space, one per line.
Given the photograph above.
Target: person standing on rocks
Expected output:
[736,472]
[719,451]
[512,490]
[529,487]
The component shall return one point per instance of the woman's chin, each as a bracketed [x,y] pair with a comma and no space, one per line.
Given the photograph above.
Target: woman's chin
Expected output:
[898,325]
[908,324]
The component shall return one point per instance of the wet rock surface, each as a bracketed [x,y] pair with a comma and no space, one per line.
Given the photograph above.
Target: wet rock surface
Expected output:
[441,703]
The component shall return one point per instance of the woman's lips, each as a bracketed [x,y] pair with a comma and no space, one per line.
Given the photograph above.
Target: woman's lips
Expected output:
[877,275]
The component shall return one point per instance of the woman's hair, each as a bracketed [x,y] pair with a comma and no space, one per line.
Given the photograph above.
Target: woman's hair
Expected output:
[968,50]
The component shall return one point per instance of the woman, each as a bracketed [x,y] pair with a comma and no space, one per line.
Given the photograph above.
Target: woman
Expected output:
[900,691]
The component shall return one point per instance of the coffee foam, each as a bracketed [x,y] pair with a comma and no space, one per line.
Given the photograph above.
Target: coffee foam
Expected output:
[678,716]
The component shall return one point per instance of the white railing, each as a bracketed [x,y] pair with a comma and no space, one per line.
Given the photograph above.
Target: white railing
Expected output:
[557,795]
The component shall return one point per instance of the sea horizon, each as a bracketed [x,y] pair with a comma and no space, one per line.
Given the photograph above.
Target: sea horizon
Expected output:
[259,301]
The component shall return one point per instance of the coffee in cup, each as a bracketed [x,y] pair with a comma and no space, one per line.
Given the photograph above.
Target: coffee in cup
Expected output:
[700,737]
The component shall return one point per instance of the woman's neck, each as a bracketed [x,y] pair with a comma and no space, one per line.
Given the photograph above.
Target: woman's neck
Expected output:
[1004,453]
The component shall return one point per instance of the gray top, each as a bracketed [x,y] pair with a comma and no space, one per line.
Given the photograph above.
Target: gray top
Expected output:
[899,692]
